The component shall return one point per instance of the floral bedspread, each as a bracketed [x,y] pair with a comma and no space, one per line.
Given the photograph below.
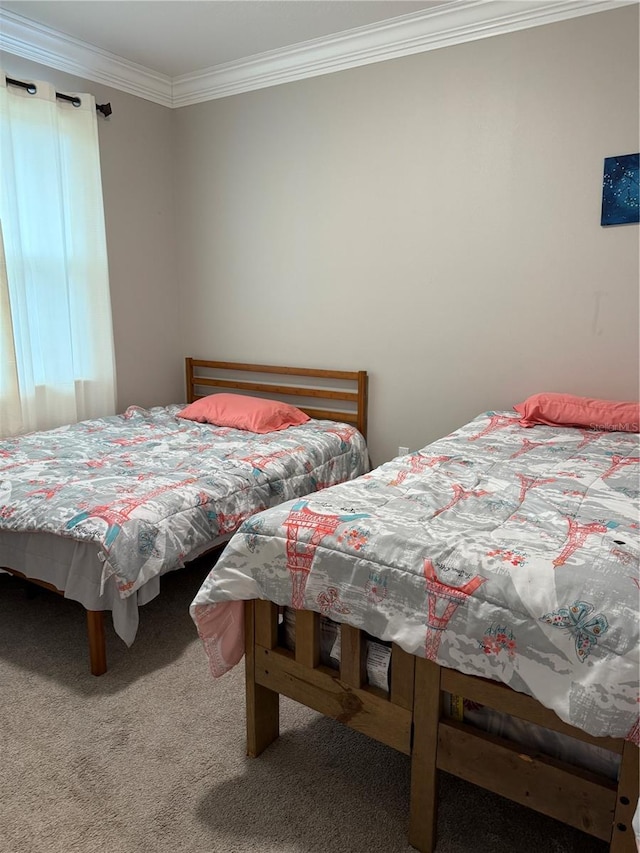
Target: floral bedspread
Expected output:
[150,488]
[500,551]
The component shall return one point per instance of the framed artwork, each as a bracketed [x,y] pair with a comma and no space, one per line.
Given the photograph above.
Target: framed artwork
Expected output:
[620,198]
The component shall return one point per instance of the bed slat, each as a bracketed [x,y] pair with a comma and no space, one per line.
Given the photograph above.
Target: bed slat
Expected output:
[270,368]
[331,415]
[307,634]
[284,390]
[402,676]
[353,660]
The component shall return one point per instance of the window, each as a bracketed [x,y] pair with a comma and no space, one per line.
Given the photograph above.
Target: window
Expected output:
[56,336]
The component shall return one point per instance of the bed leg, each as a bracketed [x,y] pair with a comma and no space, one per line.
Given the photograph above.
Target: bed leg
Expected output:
[97,648]
[622,835]
[424,777]
[263,705]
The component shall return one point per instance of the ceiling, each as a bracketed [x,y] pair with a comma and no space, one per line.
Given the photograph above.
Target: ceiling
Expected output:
[181,52]
[176,37]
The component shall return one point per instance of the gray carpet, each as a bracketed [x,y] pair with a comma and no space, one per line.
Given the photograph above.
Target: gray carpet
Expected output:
[150,757]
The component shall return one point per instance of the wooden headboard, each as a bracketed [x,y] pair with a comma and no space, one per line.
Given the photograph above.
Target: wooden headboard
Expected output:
[325,387]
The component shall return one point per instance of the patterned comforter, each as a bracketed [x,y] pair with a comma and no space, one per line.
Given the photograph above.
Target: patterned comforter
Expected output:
[150,489]
[500,551]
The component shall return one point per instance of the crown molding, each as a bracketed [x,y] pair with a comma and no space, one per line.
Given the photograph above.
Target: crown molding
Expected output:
[54,49]
[450,23]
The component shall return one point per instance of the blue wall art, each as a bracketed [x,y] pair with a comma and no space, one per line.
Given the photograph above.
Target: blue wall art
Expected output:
[620,199]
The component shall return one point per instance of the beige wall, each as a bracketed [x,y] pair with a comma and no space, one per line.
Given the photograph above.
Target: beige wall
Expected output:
[433,219]
[137,158]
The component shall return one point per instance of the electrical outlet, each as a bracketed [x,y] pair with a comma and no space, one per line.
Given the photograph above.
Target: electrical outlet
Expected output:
[402,451]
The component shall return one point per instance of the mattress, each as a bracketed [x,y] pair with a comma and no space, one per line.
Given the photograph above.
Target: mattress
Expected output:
[103,508]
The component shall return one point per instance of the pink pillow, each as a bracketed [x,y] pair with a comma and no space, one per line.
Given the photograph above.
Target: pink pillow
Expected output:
[241,412]
[567,410]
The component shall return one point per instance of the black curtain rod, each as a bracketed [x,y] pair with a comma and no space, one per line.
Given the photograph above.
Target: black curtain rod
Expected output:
[31,88]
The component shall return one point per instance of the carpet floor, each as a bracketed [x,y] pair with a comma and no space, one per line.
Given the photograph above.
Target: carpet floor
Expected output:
[150,757]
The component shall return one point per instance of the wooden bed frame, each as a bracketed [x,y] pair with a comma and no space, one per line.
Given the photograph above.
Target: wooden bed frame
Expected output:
[410,719]
[314,384]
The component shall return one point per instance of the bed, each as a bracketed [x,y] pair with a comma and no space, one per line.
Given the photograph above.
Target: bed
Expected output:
[499,566]
[100,510]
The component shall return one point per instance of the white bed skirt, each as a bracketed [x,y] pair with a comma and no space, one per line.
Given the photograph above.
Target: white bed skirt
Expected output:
[74,567]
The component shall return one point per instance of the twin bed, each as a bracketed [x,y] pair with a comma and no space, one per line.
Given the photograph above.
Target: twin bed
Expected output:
[98,511]
[497,567]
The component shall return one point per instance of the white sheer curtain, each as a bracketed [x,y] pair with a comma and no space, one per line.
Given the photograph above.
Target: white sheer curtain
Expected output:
[10,417]
[56,340]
